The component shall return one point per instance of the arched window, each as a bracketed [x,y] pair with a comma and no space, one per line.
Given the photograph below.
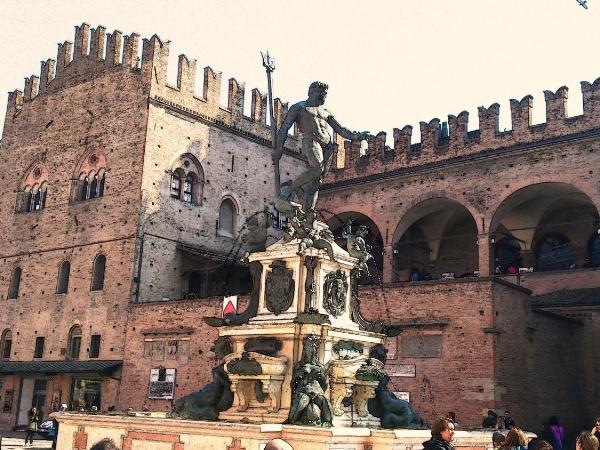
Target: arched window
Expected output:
[187,180]
[227,216]
[32,197]
[74,343]
[15,283]
[91,179]
[62,286]
[554,252]
[98,273]
[6,344]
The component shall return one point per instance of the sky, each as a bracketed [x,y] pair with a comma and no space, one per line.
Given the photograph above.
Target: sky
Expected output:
[388,63]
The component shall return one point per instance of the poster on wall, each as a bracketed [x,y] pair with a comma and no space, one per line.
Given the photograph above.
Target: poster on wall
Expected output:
[162,383]
[402,395]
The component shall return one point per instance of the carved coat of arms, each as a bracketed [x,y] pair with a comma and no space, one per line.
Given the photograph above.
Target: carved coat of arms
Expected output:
[335,290]
[279,288]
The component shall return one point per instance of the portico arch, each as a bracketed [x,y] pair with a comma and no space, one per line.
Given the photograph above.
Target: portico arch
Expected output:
[551,221]
[437,235]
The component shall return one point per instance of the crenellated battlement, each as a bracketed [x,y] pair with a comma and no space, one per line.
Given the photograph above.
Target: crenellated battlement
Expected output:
[95,53]
[75,64]
[443,142]
[207,107]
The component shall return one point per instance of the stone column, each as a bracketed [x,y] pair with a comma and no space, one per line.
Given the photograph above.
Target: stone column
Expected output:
[484,254]
[388,260]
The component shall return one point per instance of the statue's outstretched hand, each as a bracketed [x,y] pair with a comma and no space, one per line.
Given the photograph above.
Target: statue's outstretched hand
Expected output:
[362,136]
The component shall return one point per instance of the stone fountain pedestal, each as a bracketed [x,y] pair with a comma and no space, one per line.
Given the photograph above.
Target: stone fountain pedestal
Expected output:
[303,292]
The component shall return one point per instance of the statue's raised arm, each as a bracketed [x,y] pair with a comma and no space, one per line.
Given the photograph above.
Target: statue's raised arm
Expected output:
[345,132]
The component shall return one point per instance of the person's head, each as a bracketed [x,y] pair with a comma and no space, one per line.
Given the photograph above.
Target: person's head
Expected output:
[317,91]
[543,445]
[443,429]
[452,416]
[507,413]
[104,444]
[554,421]
[515,438]
[586,441]
[34,409]
[492,413]
[597,424]
[497,438]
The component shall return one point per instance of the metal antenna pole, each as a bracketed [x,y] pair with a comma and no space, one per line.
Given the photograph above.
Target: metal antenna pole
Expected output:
[269,65]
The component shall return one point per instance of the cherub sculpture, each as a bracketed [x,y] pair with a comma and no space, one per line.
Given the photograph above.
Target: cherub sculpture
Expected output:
[357,246]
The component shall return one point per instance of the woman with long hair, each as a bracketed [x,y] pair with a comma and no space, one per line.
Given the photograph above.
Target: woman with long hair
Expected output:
[586,441]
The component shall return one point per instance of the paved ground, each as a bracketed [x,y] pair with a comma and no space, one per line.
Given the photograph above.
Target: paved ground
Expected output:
[16,442]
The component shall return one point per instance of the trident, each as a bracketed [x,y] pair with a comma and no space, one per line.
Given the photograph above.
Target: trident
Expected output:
[269,65]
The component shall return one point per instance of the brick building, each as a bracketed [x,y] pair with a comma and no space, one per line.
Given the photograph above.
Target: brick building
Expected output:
[124,198]
[118,189]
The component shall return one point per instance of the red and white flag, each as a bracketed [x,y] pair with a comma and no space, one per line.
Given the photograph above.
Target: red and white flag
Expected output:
[229,305]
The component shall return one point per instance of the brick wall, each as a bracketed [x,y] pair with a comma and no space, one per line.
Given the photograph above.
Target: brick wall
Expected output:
[168,321]
[462,378]
[539,364]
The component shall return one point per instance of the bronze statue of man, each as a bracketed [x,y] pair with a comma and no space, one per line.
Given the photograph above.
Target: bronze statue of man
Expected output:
[313,121]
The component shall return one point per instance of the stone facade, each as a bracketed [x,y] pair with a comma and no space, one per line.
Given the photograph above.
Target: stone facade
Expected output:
[443,206]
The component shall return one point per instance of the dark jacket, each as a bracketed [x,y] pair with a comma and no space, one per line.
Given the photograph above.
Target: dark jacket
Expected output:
[437,444]
[490,422]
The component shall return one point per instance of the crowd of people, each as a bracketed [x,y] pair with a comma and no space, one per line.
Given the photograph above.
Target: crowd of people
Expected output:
[507,436]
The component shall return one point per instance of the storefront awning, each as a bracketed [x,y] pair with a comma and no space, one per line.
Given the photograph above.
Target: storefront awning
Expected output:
[54,367]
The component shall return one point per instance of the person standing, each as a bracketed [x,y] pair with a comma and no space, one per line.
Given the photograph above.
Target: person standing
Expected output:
[33,417]
[442,434]
[558,433]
